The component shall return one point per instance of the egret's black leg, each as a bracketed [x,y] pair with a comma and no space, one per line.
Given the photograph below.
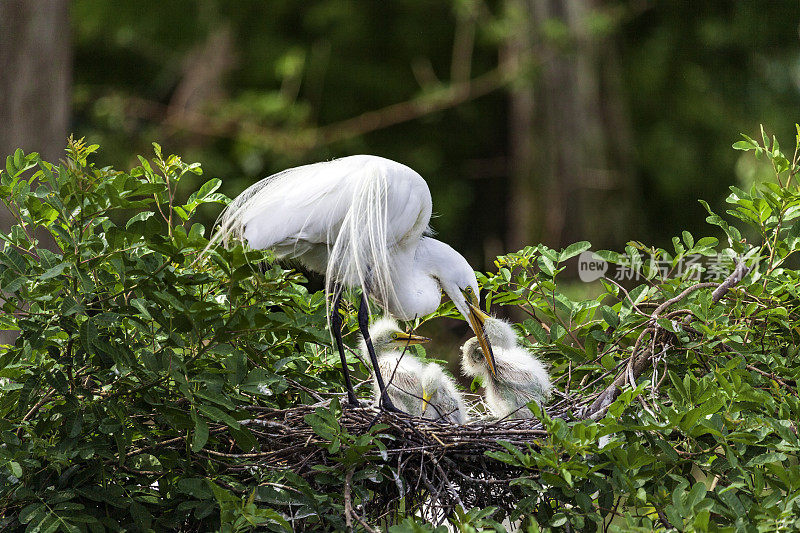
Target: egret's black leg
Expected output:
[336,325]
[363,325]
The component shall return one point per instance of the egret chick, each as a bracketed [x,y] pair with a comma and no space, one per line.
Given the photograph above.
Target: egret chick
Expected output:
[519,378]
[441,401]
[500,332]
[399,368]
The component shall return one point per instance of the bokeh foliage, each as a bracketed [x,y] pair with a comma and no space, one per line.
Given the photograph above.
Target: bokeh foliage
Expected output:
[691,77]
[126,398]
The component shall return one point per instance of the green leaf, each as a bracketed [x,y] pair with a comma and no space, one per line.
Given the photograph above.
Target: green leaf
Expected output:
[546,265]
[712,405]
[29,512]
[747,144]
[200,436]
[53,271]
[793,237]
[10,168]
[611,317]
[764,458]
[574,249]
[139,218]
[688,239]
[88,335]
[218,415]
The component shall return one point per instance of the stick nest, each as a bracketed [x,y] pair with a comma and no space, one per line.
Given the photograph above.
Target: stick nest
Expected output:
[438,465]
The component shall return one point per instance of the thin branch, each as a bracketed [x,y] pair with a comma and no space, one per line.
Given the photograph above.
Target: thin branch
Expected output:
[735,277]
[309,137]
[348,506]
[638,364]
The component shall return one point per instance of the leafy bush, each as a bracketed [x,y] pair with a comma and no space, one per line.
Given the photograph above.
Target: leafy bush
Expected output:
[129,397]
[125,343]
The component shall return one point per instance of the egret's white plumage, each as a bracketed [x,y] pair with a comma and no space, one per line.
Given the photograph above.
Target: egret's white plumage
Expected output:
[360,220]
[363,222]
[401,372]
[500,332]
[441,399]
[399,368]
[519,378]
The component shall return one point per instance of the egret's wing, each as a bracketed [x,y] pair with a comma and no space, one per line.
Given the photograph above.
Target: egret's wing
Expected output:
[390,206]
[312,201]
[303,203]
[360,207]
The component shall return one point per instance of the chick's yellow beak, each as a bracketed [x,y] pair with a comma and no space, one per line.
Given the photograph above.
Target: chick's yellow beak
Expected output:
[404,338]
[476,321]
[426,397]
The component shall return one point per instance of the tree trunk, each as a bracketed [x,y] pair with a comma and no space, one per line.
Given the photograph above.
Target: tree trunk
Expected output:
[569,156]
[35,62]
[524,210]
[35,85]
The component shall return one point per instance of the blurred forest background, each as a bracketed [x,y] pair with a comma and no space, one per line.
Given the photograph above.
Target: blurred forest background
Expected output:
[532,120]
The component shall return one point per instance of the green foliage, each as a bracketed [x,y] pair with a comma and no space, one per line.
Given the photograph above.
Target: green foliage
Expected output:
[713,440]
[128,397]
[126,341]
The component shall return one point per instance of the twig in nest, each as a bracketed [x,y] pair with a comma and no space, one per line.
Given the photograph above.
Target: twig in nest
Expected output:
[303,388]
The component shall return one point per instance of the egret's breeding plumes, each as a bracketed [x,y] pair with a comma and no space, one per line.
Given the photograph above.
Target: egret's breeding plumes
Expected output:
[519,376]
[402,371]
[363,222]
[441,400]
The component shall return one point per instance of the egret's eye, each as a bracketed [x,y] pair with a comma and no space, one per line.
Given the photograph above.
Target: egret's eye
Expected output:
[395,336]
[468,290]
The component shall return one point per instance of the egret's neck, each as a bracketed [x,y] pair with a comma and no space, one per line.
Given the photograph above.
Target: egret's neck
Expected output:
[415,292]
[419,277]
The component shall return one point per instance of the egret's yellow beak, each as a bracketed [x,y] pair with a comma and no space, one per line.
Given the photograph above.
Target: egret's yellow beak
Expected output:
[426,398]
[402,338]
[476,320]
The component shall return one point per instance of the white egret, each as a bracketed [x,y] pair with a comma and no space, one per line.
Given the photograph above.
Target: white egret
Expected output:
[363,222]
[400,368]
[519,376]
[440,399]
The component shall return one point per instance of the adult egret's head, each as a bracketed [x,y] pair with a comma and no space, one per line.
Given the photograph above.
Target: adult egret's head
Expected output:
[387,335]
[456,278]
